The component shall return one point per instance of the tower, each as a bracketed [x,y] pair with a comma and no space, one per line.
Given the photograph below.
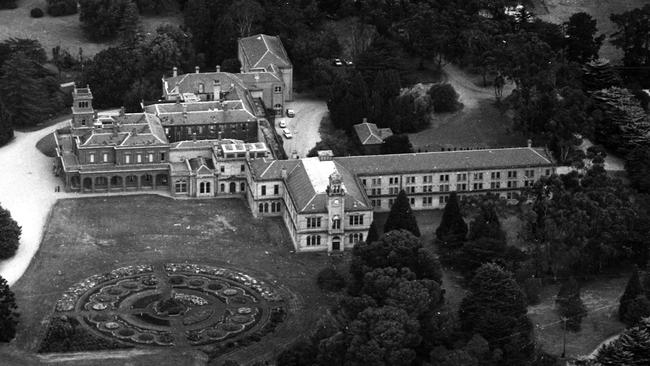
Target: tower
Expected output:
[83,113]
[336,211]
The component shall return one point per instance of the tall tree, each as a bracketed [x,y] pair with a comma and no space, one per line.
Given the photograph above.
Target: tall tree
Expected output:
[452,229]
[246,13]
[401,216]
[570,305]
[582,44]
[633,304]
[373,233]
[103,19]
[9,234]
[8,312]
[632,347]
[632,38]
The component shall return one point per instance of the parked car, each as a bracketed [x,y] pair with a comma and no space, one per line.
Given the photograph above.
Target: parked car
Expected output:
[290,113]
[337,62]
[283,124]
[287,133]
[348,63]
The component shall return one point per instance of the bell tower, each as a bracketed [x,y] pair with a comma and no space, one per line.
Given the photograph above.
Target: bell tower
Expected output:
[83,113]
[335,211]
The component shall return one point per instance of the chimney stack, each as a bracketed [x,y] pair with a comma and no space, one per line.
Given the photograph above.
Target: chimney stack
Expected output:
[175,71]
[218,68]
[122,111]
[194,136]
[197,69]
[529,142]
[284,173]
[216,89]
[184,110]
[365,120]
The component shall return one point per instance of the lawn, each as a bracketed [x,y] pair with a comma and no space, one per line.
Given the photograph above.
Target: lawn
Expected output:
[601,299]
[89,236]
[61,31]
[483,126]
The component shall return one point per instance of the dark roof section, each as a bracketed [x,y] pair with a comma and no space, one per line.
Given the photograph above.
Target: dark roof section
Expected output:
[446,161]
[261,51]
[128,130]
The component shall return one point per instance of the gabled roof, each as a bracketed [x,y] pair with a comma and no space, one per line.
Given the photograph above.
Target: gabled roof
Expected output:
[369,134]
[127,130]
[261,50]
[446,161]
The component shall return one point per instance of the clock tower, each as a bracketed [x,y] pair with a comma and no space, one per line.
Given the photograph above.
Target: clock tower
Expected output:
[336,212]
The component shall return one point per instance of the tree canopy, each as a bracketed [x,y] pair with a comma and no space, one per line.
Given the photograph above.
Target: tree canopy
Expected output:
[8,312]
[401,216]
[9,234]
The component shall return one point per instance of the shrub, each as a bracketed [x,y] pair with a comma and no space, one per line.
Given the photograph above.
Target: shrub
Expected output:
[61,7]
[8,4]
[36,13]
[330,280]
[444,98]
[9,235]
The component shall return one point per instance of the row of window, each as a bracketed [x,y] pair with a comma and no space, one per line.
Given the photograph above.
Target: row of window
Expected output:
[276,189]
[139,158]
[315,240]
[180,186]
[427,201]
[264,207]
[314,222]
[447,187]
[460,177]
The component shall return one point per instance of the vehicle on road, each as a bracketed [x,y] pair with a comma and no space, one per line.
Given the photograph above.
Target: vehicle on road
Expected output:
[287,133]
[283,124]
[348,62]
[290,113]
[337,62]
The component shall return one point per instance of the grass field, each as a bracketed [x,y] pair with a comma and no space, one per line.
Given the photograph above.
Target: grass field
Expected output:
[61,31]
[89,236]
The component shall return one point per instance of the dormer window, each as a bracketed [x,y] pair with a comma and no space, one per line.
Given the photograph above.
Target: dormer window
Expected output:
[278,89]
[201,88]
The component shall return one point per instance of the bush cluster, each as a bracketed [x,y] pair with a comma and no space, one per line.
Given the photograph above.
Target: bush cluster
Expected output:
[36,13]
[61,7]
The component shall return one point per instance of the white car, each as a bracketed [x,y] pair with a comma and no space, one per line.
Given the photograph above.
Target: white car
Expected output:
[287,133]
[283,124]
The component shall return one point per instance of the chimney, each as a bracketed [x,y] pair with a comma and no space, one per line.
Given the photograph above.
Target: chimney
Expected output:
[122,111]
[196,69]
[365,120]
[216,89]
[184,110]
[175,71]
[218,68]
[284,173]
[178,99]
[529,142]
[194,136]
[257,77]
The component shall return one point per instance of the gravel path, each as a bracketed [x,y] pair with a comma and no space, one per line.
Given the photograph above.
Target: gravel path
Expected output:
[305,125]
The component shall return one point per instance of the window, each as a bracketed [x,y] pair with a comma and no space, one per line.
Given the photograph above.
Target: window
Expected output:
[263,190]
[376,181]
[162,156]
[363,181]
[394,190]
[313,222]
[511,195]
[496,175]
[512,174]
[410,189]
[461,186]
[393,180]
[412,201]
[427,178]
[275,206]
[242,168]
[478,176]
[91,157]
[277,89]
[150,157]
[375,192]
[512,184]
[189,130]
[336,223]
[530,173]
[444,177]
[410,180]
[528,183]
[444,188]
[376,203]
[263,207]
[105,157]
[242,186]
[139,158]
[222,168]
[276,189]
[278,106]
[356,219]
[442,200]
[548,172]
[427,188]
[180,186]
[496,185]
[313,240]
[355,238]
[461,177]
[478,186]
[390,202]
[427,201]
[127,159]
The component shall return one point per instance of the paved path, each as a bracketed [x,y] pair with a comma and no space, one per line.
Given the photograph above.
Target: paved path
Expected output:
[27,191]
[305,125]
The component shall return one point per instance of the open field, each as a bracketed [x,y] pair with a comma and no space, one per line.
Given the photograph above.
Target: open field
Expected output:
[61,31]
[559,11]
[601,299]
[95,235]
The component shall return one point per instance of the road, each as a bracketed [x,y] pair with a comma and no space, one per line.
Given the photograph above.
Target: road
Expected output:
[304,126]
[470,93]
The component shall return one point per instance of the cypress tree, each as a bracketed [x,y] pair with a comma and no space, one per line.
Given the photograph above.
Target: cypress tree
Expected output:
[8,312]
[401,216]
[373,234]
[453,228]
[486,225]
[633,290]
[9,234]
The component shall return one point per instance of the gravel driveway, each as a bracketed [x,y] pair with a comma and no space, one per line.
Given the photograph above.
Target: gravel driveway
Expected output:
[304,126]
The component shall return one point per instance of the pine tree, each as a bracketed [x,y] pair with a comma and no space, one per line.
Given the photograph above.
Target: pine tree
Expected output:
[633,290]
[631,348]
[9,235]
[373,234]
[453,228]
[401,216]
[570,304]
[8,312]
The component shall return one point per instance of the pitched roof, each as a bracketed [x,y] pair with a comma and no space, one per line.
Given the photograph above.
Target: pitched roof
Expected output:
[202,112]
[130,129]
[369,134]
[446,161]
[262,50]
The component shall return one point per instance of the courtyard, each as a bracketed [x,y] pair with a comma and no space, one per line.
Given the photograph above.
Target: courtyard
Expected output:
[135,249]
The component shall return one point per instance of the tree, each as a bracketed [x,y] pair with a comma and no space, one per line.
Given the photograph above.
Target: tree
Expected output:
[444,98]
[631,37]
[452,229]
[637,165]
[632,347]
[9,234]
[245,14]
[487,225]
[570,304]
[111,73]
[373,234]
[129,24]
[397,144]
[582,44]
[633,304]
[6,131]
[401,216]
[102,19]
[57,8]
[8,312]
[301,353]
[496,310]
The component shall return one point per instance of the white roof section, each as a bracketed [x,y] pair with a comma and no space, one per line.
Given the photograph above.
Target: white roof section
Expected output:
[319,172]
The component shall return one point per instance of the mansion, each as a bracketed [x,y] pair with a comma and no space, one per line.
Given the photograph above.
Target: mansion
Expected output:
[203,140]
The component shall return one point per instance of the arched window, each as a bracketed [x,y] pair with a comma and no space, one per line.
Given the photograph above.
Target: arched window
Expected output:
[266,207]
[223,187]
[261,207]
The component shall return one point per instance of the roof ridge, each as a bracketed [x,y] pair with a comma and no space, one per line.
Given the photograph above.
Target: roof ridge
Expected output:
[310,201]
[540,155]
[437,152]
